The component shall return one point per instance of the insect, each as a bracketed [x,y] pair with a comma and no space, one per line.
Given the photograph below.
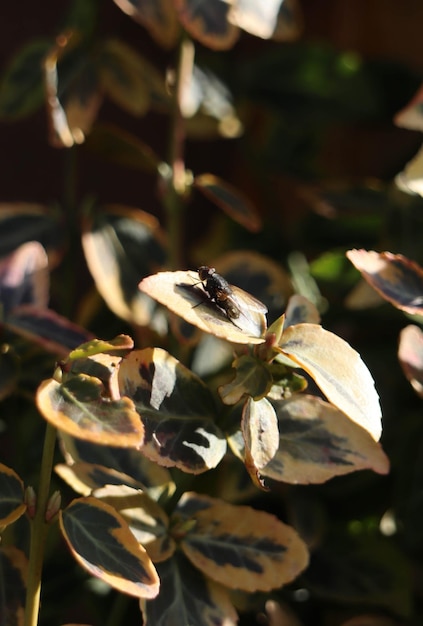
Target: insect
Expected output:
[240,307]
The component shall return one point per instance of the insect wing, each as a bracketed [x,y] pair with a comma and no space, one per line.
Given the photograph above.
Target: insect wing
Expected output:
[245,300]
[251,312]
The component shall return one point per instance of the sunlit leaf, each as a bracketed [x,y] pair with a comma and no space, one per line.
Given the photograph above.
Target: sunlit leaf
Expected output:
[21,87]
[118,346]
[24,277]
[73,94]
[100,540]
[127,462]
[338,370]
[290,21]
[410,179]
[22,222]
[12,504]
[186,597]
[13,576]
[410,355]
[259,427]
[252,377]
[113,144]
[238,546]
[157,16]
[79,407]
[300,310]
[179,293]
[411,116]
[257,18]
[129,79]
[121,245]
[146,519]
[230,200]
[86,477]
[395,278]
[207,92]
[176,408]
[317,442]
[46,328]
[207,22]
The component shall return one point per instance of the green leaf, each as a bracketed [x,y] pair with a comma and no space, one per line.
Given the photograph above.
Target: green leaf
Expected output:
[238,546]
[120,346]
[80,408]
[252,377]
[186,597]
[100,540]
[230,200]
[207,22]
[12,504]
[395,278]
[121,245]
[318,442]
[176,408]
[21,88]
[179,293]
[338,370]
[146,519]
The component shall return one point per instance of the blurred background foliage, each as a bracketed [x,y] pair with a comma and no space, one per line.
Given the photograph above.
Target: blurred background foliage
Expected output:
[317,157]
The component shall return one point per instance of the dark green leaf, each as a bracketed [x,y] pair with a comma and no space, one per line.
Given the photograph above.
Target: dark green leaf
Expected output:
[177,411]
[186,597]
[21,88]
[113,144]
[318,442]
[230,200]
[157,16]
[13,576]
[150,477]
[238,546]
[207,21]
[102,543]
[12,504]
[46,328]
[395,278]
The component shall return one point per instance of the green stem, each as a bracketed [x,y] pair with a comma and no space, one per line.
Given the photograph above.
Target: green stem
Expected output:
[39,528]
[176,188]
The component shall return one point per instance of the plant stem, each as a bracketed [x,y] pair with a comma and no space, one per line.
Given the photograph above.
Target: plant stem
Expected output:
[176,187]
[39,528]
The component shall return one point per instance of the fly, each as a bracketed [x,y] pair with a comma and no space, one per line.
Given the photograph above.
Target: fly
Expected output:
[238,305]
